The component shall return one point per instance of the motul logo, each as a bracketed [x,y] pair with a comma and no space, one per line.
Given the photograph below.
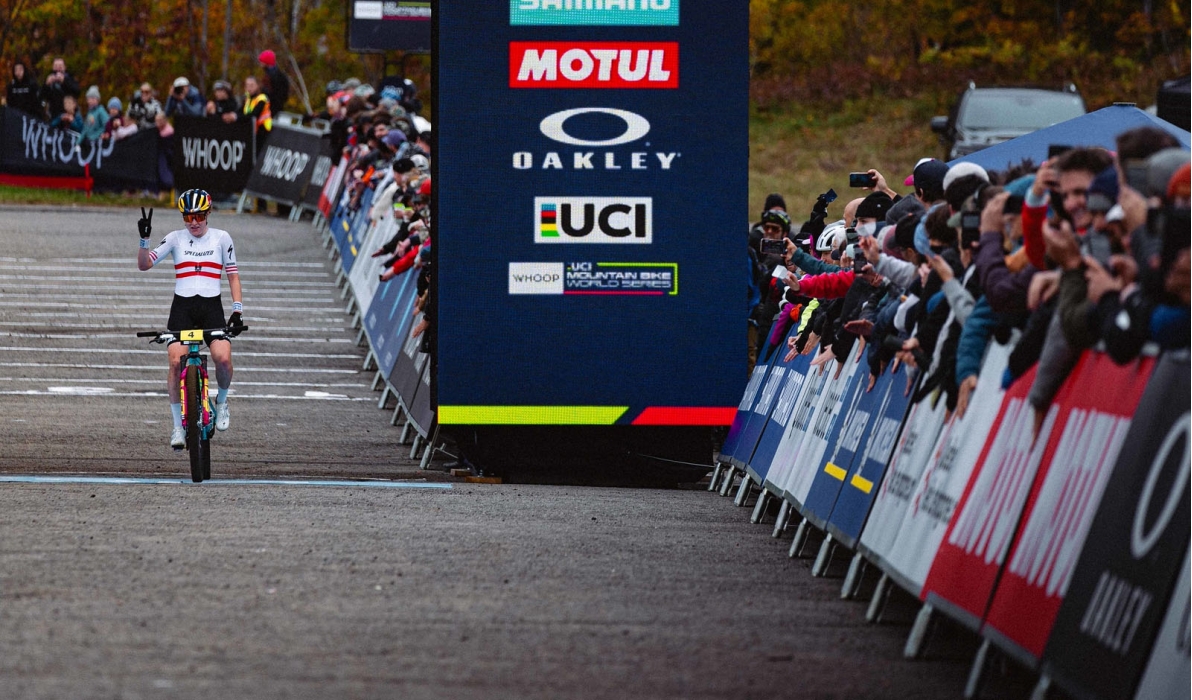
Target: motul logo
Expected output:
[623,64]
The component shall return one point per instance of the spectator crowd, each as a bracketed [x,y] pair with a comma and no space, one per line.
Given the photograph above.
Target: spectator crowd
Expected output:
[1090,248]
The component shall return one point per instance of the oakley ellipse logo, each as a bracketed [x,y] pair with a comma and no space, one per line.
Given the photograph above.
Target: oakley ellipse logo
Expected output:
[636,126]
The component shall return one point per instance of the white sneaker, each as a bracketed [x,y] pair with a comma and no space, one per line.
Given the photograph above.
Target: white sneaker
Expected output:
[221,415]
[178,438]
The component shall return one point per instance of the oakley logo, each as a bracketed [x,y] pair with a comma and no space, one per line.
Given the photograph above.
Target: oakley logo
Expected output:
[636,126]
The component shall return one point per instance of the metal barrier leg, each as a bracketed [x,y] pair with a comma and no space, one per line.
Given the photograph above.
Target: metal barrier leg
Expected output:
[800,537]
[240,204]
[416,446]
[727,484]
[784,512]
[759,510]
[715,477]
[743,491]
[356,321]
[973,686]
[879,599]
[918,633]
[396,414]
[1042,688]
[852,581]
[377,379]
[824,558]
[430,449]
[381,405]
[360,337]
[405,431]
[368,362]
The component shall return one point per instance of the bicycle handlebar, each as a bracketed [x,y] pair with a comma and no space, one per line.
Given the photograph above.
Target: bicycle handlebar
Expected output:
[225,333]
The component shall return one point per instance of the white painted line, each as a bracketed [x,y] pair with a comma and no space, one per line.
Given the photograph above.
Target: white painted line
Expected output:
[65,283]
[329,397]
[155,279]
[158,368]
[239,382]
[132,269]
[71,304]
[132,260]
[122,481]
[143,310]
[126,351]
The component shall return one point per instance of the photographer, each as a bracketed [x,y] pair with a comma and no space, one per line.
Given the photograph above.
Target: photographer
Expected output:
[184,100]
[144,107]
[771,251]
[59,85]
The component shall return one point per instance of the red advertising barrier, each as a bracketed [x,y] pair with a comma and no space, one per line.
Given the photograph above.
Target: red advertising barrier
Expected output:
[962,577]
[1077,463]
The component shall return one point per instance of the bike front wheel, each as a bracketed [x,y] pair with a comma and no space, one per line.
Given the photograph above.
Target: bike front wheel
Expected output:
[194,423]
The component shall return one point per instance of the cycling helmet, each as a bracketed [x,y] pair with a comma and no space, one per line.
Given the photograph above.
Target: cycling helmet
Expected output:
[194,202]
[823,244]
[777,216]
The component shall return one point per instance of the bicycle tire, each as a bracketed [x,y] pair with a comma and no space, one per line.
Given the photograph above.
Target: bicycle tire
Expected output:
[194,420]
[205,457]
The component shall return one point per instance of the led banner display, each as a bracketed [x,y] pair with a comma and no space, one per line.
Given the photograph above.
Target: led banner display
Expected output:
[389,25]
[592,177]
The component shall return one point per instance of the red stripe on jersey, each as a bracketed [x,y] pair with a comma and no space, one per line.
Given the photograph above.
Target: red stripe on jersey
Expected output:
[213,265]
[231,269]
[212,275]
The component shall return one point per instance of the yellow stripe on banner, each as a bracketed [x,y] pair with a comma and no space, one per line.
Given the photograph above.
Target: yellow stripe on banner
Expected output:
[530,415]
[354,251]
[835,472]
[861,483]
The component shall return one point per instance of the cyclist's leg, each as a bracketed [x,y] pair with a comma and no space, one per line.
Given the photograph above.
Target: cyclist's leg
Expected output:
[177,353]
[221,355]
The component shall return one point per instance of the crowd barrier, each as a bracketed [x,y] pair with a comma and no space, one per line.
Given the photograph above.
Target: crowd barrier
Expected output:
[385,313]
[1065,549]
[207,153]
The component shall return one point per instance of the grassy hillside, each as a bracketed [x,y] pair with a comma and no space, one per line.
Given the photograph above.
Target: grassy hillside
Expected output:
[800,150]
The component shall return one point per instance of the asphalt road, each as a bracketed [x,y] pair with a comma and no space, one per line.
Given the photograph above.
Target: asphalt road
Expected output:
[424,587]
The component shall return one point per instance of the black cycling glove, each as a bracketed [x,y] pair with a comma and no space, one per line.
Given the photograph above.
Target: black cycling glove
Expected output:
[235,324]
[145,225]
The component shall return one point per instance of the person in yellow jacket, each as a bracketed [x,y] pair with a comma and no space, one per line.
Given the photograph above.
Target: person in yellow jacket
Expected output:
[256,108]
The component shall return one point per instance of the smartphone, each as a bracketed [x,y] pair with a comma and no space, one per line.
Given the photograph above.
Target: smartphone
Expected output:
[1136,170]
[970,221]
[859,265]
[771,246]
[861,180]
[1056,149]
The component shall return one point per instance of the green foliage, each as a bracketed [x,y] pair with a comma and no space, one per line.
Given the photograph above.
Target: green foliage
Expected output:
[117,45]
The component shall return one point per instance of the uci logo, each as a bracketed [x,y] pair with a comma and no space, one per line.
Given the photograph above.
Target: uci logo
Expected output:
[593,220]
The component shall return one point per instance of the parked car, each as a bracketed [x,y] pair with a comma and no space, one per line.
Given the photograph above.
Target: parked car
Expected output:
[985,116]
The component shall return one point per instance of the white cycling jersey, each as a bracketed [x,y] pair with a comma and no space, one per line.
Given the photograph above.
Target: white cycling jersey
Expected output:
[198,262]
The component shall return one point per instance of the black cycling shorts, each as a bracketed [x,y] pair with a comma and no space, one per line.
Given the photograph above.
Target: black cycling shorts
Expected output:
[196,313]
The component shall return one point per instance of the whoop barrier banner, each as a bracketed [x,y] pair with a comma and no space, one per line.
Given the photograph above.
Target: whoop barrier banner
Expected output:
[212,155]
[286,164]
[31,147]
[1134,553]
[612,261]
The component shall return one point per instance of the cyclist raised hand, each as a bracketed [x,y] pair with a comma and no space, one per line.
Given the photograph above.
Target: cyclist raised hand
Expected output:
[201,254]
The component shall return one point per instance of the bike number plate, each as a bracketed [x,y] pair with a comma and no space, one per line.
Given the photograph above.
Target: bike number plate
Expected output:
[191,336]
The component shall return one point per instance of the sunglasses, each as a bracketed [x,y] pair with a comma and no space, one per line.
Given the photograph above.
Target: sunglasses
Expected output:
[194,218]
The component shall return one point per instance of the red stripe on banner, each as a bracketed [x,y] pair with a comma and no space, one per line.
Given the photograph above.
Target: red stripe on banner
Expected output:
[45,182]
[180,275]
[686,415]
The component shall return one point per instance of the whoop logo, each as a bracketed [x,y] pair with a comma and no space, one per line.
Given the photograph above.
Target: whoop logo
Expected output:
[591,64]
[636,126]
[593,220]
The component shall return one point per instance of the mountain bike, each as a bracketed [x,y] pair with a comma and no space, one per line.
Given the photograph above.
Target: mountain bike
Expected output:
[197,416]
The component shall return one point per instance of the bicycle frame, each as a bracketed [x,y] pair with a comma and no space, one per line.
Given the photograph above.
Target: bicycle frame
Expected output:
[197,361]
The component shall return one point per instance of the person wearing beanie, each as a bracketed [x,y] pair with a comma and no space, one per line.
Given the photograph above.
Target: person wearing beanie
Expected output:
[276,85]
[118,125]
[96,118]
[222,103]
[873,208]
[928,180]
[773,201]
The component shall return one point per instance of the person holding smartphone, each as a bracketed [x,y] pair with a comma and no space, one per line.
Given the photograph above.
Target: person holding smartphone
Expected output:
[59,84]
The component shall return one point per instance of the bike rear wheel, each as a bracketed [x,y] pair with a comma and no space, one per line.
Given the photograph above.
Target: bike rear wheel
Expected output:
[194,421]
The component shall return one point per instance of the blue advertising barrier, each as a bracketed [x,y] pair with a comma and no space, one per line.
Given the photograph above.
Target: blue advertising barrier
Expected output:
[354,235]
[752,430]
[744,411]
[388,314]
[834,464]
[341,222]
[784,407]
[852,504]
